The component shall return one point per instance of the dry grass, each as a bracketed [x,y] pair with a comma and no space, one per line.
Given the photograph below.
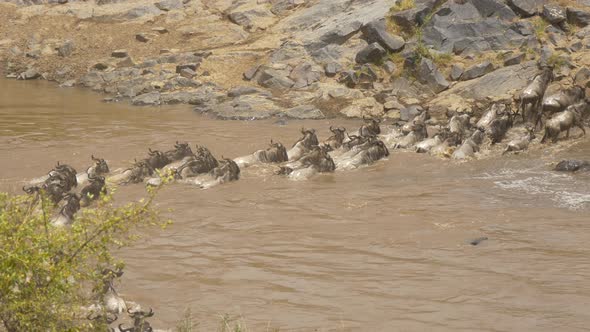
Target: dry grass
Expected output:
[540,25]
[403,5]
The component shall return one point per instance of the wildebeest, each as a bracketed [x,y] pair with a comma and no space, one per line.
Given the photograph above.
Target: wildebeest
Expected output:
[67,212]
[459,123]
[93,190]
[470,146]
[370,128]
[135,174]
[180,151]
[447,147]
[157,159]
[315,161]
[572,166]
[202,162]
[564,121]
[335,141]
[111,300]
[139,322]
[534,92]
[55,191]
[100,166]
[303,145]
[417,134]
[422,117]
[275,153]
[520,143]
[364,154]
[495,110]
[499,126]
[559,101]
[438,138]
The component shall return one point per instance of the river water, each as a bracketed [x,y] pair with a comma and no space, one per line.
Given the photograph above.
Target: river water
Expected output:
[381,248]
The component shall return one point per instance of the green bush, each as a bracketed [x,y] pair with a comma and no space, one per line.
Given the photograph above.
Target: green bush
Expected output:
[48,274]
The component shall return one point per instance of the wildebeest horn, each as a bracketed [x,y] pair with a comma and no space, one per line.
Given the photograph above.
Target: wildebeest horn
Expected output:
[151,152]
[331,129]
[303,130]
[92,157]
[125,330]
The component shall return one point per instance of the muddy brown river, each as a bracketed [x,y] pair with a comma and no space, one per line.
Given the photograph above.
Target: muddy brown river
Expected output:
[380,248]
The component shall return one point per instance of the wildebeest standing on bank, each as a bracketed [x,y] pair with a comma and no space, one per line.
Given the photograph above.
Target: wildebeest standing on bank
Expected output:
[564,121]
[558,102]
[534,92]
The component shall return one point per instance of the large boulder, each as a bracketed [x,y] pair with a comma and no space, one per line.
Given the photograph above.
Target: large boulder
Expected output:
[376,31]
[252,18]
[477,70]
[305,74]
[274,79]
[554,14]
[146,99]
[578,17]
[472,26]
[304,112]
[372,53]
[427,73]
[167,5]
[526,8]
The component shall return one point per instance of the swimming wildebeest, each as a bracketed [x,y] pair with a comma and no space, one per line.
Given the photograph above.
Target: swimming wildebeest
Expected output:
[135,174]
[533,94]
[93,190]
[572,166]
[315,161]
[367,153]
[157,159]
[370,128]
[447,147]
[335,141]
[100,166]
[520,143]
[202,162]
[470,146]
[180,151]
[275,153]
[55,191]
[303,145]
[422,117]
[564,121]
[418,133]
[67,212]
[438,138]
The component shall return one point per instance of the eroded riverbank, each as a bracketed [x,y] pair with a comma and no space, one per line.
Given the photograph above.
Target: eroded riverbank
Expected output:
[380,248]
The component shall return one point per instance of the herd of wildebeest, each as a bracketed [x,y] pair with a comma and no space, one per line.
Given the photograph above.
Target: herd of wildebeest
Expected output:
[461,138]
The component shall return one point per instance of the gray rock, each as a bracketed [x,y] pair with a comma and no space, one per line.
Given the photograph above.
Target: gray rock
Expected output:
[477,71]
[167,5]
[554,14]
[427,73]
[150,98]
[66,49]
[177,97]
[30,74]
[410,112]
[514,59]
[127,62]
[120,54]
[578,17]
[142,37]
[188,73]
[148,64]
[274,79]
[332,68]
[246,90]
[376,31]
[304,74]
[191,66]
[68,84]
[576,47]
[91,79]
[546,54]
[373,53]
[247,107]
[582,75]
[304,112]
[410,18]
[141,11]
[250,18]
[389,67]
[456,72]
[472,27]
[100,66]
[15,51]
[160,30]
[349,78]
[281,6]
[250,73]
[526,8]
[524,28]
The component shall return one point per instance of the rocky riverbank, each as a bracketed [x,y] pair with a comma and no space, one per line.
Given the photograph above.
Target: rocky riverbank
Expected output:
[253,59]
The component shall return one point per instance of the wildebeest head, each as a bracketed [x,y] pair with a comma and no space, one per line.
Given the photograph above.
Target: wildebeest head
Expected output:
[319,158]
[371,127]
[335,141]
[309,138]
[100,166]
[139,322]
[353,140]
[180,151]
[275,153]
[139,171]
[157,159]
[227,170]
